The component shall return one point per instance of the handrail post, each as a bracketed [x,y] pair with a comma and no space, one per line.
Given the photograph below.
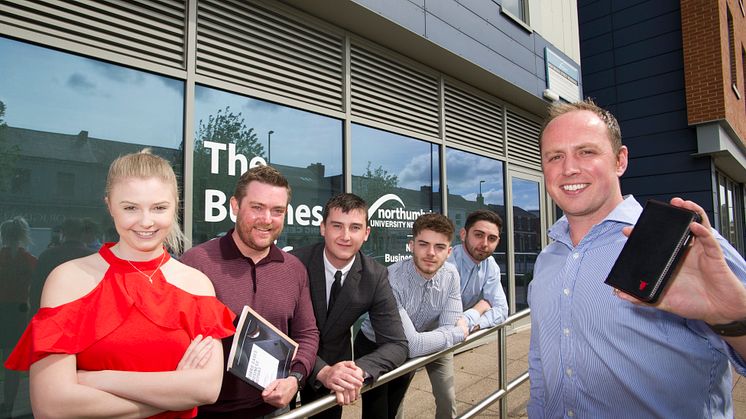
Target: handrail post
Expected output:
[502,377]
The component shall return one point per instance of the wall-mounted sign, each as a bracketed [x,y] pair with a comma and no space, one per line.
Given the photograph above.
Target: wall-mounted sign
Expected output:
[563,77]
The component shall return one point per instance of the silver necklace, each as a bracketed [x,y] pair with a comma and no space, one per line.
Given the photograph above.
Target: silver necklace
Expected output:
[150,277]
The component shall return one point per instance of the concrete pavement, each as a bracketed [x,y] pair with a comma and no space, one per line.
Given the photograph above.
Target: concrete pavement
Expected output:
[476,377]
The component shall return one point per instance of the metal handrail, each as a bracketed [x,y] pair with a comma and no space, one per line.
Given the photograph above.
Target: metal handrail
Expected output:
[413,364]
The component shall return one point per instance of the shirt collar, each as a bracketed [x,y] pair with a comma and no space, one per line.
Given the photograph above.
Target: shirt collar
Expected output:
[330,269]
[462,257]
[229,250]
[627,212]
[420,281]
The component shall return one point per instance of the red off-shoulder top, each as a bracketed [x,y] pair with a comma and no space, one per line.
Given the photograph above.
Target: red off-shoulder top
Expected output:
[125,323]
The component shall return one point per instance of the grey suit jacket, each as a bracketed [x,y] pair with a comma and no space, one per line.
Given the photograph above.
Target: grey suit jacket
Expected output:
[366,289]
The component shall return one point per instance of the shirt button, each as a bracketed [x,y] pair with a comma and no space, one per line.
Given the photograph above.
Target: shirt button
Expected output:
[566,331]
[575,255]
[570,413]
[568,372]
[566,291]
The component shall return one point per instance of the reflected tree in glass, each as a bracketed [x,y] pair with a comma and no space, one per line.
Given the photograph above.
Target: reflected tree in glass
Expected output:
[378,182]
[399,177]
[8,154]
[224,127]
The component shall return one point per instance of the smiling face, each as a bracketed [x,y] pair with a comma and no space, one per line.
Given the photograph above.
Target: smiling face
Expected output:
[429,252]
[344,234]
[481,240]
[143,214]
[581,170]
[259,218]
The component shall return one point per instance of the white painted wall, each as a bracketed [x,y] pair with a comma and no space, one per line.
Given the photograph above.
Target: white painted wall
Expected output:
[557,22]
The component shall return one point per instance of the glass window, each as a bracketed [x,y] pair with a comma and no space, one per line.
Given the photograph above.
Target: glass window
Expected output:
[64,119]
[476,182]
[65,185]
[236,132]
[399,177]
[526,235]
[732,45]
[516,8]
[728,207]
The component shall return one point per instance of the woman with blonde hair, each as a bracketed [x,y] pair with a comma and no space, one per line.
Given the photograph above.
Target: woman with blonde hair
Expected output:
[128,331]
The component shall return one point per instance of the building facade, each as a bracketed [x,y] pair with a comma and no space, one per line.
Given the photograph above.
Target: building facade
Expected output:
[673,74]
[415,105]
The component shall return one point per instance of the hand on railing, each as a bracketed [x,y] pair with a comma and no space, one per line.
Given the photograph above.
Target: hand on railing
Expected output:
[345,379]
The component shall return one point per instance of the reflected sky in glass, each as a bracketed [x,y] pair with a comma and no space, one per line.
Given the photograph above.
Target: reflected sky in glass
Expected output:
[466,170]
[525,194]
[409,159]
[298,138]
[57,92]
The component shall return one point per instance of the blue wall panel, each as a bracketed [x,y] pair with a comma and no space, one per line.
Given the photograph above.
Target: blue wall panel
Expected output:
[651,47]
[652,105]
[648,28]
[590,10]
[629,13]
[595,28]
[636,71]
[477,31]
[657,65]
[661,143]
[647,86]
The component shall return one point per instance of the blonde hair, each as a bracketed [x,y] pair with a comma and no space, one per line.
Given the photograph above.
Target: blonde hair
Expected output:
[144,165]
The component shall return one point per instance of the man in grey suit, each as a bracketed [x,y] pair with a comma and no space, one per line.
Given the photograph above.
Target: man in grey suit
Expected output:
[346,284]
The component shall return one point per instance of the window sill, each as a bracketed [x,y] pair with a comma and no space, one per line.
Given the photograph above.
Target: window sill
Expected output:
[735,90]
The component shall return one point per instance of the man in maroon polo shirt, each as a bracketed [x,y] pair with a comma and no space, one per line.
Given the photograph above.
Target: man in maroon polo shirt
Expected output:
[246,267]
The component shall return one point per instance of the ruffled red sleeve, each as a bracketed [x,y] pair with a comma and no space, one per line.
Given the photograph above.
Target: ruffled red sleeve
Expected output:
[212,318]
[72,327]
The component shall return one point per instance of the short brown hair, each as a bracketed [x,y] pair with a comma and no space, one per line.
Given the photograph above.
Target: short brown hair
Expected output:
[346,202]
[262,174]
[483,215]
[558,109]
[438,223]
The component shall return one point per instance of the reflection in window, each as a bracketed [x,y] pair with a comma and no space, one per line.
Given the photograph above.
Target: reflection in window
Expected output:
[516,8]
[63,120]
[399,177]
[476,182]
[236,132]
[20,182]
[526,235]
[65,185]
[730,225]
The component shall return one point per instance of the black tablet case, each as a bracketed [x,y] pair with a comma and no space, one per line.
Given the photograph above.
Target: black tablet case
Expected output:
[652,251]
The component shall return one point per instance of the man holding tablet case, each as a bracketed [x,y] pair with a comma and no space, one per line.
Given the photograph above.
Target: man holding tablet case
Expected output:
[597,352]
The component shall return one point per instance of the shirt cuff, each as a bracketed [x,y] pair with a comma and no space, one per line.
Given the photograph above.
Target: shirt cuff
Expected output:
[472,317]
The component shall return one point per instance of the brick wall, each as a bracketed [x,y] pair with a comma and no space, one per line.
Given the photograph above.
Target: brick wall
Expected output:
[707,62]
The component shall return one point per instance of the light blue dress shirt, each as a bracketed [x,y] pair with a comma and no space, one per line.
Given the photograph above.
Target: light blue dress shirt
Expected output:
[428,308]
[480,281]
[594,355]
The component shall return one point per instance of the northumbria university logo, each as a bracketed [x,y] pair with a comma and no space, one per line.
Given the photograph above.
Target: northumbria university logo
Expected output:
[394,218]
